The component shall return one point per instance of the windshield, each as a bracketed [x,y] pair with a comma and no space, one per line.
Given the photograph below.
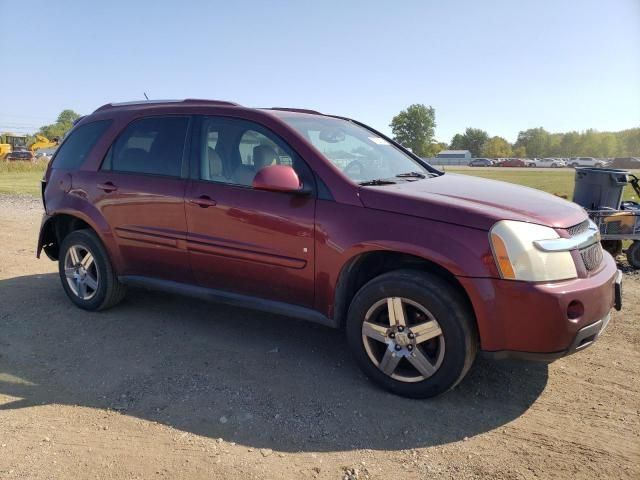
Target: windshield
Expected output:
[362,155]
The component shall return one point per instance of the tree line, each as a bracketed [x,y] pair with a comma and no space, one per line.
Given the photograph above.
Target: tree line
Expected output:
[415,128]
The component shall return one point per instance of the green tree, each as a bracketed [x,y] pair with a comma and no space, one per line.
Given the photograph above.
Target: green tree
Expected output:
[536,141]
[435,148]
[457,142]
[497,147]
[62,125]
[472,139]
[414,128]
[629,142]
[569,144]
[520,152]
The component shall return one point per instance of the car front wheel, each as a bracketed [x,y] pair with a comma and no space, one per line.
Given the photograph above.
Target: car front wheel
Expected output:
[412,333]
[86,272]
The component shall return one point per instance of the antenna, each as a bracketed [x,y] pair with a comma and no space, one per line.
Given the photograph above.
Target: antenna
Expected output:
[145,95]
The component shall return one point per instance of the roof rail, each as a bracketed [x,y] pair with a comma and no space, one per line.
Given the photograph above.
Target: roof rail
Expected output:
[154,102]
[297,110]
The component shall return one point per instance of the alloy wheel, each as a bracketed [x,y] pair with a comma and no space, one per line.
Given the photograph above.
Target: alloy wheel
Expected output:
[403,339]
[81,272]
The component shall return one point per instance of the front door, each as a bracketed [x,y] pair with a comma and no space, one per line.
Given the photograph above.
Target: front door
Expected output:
[242,240]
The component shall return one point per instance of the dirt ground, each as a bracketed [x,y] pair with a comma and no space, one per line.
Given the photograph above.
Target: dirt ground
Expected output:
[168,387]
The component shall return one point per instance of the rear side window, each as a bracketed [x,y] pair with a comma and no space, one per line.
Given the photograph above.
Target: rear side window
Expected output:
[152,145]
[75,149]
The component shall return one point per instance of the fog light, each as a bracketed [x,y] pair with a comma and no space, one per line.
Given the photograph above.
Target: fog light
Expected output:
[575,310]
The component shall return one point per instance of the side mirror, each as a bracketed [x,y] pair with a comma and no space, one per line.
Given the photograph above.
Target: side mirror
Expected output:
[278,178]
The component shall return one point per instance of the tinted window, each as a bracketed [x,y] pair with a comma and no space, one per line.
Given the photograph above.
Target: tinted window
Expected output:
[233,151]
[152,145]
[74,150]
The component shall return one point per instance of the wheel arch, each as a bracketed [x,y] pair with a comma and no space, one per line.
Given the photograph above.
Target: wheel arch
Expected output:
[361,268]
[56,227]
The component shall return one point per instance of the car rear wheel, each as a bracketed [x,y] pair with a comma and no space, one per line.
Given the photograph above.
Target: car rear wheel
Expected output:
[86,272]
[633,254]
[412,333]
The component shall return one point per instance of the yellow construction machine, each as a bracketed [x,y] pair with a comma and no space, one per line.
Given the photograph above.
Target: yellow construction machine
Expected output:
[43,142]
[11,142]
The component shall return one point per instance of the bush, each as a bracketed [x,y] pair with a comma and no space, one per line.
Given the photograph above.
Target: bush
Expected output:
[21,166]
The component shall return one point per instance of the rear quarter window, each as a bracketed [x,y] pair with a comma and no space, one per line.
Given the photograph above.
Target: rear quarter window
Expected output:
[73,152]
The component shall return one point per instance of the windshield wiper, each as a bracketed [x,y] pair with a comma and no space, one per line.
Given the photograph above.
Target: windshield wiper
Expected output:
[411,175]
[377,181]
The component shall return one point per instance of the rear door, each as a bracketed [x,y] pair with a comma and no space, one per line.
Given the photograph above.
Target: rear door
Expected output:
[253,242]
[140,192]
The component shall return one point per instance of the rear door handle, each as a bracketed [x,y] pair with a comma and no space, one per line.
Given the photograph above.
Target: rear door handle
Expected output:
[107,187]
[203,201]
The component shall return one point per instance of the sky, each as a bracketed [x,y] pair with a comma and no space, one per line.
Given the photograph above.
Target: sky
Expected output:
[502,65]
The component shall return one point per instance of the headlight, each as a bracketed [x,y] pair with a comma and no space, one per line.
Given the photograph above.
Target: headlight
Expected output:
[518,258]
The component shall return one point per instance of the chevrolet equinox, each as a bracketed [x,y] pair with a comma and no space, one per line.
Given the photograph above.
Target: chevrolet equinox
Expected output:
[322,218]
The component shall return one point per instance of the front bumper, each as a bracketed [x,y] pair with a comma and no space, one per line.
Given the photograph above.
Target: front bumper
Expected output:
[583,339]
[527,320]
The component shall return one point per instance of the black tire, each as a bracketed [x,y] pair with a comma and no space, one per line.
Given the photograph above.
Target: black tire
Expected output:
[109,290]
[446,305]
[633,254]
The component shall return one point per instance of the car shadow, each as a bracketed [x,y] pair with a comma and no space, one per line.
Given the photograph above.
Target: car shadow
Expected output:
[256,379]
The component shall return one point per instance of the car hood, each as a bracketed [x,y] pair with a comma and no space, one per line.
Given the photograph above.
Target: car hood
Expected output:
[473,202]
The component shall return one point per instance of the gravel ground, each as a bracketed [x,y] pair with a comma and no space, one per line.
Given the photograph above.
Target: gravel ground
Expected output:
[168,387]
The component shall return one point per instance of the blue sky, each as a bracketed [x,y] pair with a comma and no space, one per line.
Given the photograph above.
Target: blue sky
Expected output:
[501,65]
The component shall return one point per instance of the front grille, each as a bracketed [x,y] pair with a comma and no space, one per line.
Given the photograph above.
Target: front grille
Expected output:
[578,229]
[592,256]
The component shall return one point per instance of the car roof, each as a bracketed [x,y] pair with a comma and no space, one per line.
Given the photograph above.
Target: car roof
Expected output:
[197,102]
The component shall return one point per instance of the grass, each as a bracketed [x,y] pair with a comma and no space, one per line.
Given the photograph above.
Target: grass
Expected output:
[557,181]
[20,182]
[17,167]
[21,177]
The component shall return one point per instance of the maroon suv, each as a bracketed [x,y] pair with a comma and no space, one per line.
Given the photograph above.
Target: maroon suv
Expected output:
[322,218]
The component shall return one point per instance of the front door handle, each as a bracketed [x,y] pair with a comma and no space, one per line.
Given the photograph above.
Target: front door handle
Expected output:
[203,201]
[107,187]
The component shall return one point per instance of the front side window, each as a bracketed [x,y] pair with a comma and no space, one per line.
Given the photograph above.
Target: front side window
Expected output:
[153,145]
[232,151]
[74,150]
[362,155]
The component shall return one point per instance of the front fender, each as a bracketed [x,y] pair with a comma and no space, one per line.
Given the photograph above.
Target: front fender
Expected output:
[345,232]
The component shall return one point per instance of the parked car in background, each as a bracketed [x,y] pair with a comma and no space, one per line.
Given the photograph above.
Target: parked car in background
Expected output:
[587,162]
[625,162]
[481,162]
[322,218]
[20,155]
[45,153]
[546,163]
[512,162]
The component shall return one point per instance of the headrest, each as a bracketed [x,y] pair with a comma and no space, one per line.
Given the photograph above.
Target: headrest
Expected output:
[215,162]
[263,155]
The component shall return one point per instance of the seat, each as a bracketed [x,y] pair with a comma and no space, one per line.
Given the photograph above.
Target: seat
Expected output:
[263,155]
[212,168]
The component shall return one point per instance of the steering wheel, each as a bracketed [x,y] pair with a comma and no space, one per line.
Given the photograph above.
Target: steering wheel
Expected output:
[355,170]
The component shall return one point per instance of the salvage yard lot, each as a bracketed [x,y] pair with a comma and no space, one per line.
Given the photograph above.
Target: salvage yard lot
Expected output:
[168,387]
